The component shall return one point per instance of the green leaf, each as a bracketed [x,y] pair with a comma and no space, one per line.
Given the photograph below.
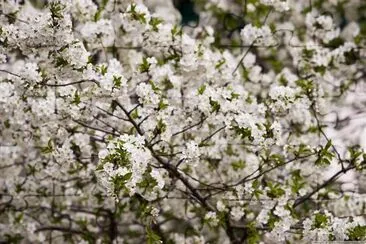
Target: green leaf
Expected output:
[13,239]
[152,237]
[352,56]
[31,169]
[162,105]
[324,155]
[308,53]
[334,43]
[238,165]
[119,182]
[234,96]
[220,63]
[328,145]
[167,84]
[357,233]
[214,105]
[277,158]
[160,127]
[100,166]
[253,233]
[117,81]
[103,69]
[302,150]
[135,114]
[61,62]
[56,10]
[176,31]
[320,221]
[306,85]
[77,99]
[275,191]
[201,89]
[256,185]
[154,87]
[297,181]
[7,124]
[18,218]
[98,15]
[272,220]
[244,132]
[320,69]
[137,16]
[47,149]
[101,8]
[144,66]
[154,22]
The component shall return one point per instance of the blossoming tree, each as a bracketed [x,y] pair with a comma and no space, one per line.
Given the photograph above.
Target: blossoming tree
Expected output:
[119,125]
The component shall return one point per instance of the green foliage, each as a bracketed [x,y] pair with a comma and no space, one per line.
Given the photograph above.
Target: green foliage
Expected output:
[283,81]
[167,84]
[238,165]
[272,220]
[135,114]
[275,190]
[100,10]
[305,85]
[119,182]
[117,81]
[120,157]
[144,66]
[176,31]
[7,124]
[308,53]
[357,157]
[154,22]
[302,150]
[324,155]
[137,16]
[256,185]
[320,69]
[31,169]
[12,17]
[234,96]
[254,236]
[56,9]
[160,127]
[154,87]
[201,89]
[357,233]
[335,43]
[244,132]
[76,100]
[162,105]
[298,181]
[61,62]
[277,159]
[18,218]
[98,15]
[352,56]
[47,149]
[320,221]
[13,239]
[151,236]
[220,63]
[214,105]
[103,69]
